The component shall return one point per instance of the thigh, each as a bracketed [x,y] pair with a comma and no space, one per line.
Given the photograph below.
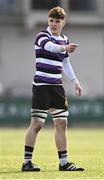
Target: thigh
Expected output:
[40,97]
[59,98]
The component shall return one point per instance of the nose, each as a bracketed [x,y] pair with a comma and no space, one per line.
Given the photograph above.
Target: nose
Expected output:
[54,23]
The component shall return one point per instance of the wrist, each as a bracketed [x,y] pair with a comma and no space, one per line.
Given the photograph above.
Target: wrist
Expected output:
[75,81]
[63,48]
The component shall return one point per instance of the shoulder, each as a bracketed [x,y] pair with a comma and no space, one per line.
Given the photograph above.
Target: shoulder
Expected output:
[43,33]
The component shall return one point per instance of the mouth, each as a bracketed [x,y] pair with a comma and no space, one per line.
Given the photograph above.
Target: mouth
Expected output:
[54,29]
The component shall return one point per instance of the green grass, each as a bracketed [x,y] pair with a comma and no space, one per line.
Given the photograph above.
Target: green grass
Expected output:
[85,147]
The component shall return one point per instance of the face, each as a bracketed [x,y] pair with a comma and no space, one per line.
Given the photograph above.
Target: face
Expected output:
[56,25]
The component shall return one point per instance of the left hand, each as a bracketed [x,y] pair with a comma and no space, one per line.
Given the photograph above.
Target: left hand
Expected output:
[78,90]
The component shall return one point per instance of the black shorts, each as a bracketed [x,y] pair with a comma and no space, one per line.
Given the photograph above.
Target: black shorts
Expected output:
[45,97]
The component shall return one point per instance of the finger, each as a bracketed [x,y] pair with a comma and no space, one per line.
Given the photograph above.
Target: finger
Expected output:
[73,45]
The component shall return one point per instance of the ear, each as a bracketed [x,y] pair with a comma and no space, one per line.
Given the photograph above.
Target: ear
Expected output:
[64,23]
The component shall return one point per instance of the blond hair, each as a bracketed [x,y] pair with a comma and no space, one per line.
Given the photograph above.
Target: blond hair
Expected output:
[57,12]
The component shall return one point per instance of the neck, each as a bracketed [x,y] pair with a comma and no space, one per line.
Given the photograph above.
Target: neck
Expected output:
[55,34]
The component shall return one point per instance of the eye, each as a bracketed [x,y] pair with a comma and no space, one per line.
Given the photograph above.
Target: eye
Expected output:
[51,20]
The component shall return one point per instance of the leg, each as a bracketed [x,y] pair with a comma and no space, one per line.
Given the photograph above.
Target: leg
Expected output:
[38,116]
[30,141]
[32,132]
[60,134]
[60,123]
[61,140]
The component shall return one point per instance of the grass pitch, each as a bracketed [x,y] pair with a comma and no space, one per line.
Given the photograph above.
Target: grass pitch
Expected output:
[85,148]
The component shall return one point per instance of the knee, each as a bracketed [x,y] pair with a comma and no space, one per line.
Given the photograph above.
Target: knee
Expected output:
[36,125]
[60,124]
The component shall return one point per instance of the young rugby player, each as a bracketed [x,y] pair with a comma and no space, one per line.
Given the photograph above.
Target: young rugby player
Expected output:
[52,50]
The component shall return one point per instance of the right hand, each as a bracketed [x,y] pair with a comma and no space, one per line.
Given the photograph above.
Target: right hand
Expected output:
[71,47]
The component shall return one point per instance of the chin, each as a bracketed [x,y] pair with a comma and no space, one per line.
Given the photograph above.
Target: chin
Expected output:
[54,33]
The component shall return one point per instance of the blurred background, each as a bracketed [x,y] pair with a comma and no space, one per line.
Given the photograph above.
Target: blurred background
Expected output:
[20,20]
